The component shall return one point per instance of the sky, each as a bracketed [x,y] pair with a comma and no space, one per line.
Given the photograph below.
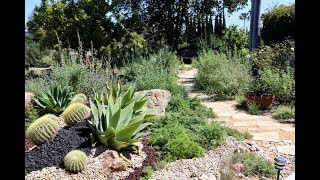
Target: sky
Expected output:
[230,18]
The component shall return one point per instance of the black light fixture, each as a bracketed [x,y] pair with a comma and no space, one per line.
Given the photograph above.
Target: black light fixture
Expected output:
[280,163]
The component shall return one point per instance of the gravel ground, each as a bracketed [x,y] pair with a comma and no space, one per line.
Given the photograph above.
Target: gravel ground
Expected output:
[213,162]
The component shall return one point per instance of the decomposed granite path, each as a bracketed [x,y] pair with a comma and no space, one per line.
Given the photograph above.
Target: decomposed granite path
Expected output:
[268,134]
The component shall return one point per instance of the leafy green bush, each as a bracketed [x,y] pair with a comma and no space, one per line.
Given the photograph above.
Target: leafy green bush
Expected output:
[174,143]
[281,55]
[279,83]
[236,39]
[221,76]
[254,165]
[278,24]
[38,85]
[177,90]
[284,113]
[214,43]
[212,135]
[158,71]
[191,123]
[35,56]
[31,114]
[147,173]
[253,108]
[183,148]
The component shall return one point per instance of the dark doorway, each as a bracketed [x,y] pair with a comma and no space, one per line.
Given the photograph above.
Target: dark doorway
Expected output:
[187,54]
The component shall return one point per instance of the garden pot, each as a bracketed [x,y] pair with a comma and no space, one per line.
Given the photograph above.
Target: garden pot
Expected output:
[263,102]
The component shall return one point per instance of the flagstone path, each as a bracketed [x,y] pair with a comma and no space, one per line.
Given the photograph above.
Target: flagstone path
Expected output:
[273,137]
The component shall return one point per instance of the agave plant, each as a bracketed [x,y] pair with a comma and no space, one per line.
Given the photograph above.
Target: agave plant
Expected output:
[119,124]
[55,100]
[115,89]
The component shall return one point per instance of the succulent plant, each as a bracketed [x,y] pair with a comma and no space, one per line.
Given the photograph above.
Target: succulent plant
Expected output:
[55,100]
[43,129]
[82,98]
[75,112]
[118,124]
[75,161]
[77,99]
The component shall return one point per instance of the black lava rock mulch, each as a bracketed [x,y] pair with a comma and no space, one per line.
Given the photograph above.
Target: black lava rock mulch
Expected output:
[53,152]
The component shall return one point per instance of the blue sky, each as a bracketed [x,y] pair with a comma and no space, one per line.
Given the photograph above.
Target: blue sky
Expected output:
[230,18]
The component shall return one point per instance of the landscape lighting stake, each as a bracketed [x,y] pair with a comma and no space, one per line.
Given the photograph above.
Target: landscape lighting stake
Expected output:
[279,163]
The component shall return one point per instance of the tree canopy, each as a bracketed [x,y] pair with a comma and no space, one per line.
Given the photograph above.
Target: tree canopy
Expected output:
[105,24]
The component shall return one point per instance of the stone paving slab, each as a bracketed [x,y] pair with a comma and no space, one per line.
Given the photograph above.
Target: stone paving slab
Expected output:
[286,149]
[240,124]
[253,130]
[264,123]
[288,129]
[243,116]
[266,136]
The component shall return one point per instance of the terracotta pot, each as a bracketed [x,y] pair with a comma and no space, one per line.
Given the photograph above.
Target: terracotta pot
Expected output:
[263,102]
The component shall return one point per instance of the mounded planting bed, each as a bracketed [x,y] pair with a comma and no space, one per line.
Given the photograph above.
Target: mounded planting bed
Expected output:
[52,152]
[47,159]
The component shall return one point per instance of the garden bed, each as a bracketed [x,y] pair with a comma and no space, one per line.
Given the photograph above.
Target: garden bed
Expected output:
[46,160]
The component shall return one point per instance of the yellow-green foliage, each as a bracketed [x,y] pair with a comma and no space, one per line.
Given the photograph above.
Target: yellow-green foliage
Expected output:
[43,129]
[75,112]
[75,161]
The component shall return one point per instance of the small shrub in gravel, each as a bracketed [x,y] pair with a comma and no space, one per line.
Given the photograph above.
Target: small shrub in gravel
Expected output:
[254,165]
[211,136]
[188,122]
[147,173]
[182,148]
[284,113]
[189,106]
[175,143]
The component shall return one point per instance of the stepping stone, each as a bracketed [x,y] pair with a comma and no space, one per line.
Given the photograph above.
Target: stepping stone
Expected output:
[243,116]
[286,150]
[266,136]
[288,129]
[264,124]
[226,114]
[240,124]
[253,130]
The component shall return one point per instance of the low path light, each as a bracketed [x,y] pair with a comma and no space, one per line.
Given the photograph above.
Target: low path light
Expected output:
[280,163]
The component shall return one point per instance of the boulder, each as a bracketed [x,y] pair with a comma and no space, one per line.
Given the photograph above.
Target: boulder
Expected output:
[158,100]
[28,97]
[112,162]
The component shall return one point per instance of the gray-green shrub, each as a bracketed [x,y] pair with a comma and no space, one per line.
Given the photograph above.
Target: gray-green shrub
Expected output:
[279,83]
[157,71]
[284,113]
[221,76]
